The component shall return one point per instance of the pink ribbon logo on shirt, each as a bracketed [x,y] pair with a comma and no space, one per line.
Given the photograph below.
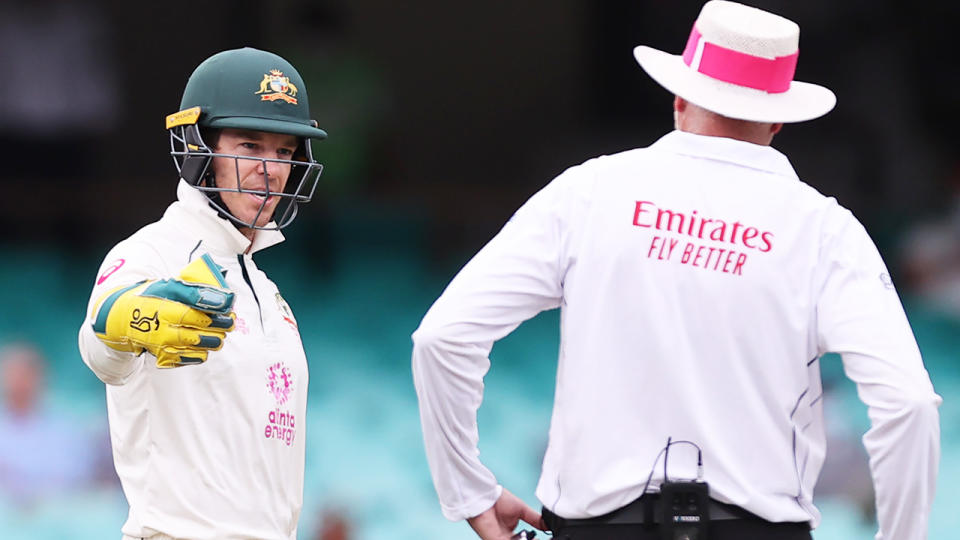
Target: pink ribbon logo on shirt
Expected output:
[110,270]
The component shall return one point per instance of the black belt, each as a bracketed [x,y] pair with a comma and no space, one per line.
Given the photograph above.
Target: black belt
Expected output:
[643,511]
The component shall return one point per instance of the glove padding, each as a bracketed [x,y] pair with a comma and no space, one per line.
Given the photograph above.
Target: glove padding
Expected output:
[177,320]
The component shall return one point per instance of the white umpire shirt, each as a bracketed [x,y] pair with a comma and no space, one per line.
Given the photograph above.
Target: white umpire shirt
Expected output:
[213,451]
[699,281]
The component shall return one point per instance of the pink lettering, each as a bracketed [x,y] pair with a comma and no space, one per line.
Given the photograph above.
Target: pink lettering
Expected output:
[720,253]
[767,238]
[671,214]
[639,210]
[699,254]
[729,260]
[738,269]
[653,245]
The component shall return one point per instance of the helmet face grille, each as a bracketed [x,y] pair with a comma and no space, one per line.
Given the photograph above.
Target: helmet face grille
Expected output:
[193,157]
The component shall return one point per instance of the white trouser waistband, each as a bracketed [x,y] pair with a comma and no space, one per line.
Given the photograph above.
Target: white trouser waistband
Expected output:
[154,537]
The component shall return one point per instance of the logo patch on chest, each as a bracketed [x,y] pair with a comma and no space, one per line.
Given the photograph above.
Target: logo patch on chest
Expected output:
[279,382]
[286,312]
[281,423]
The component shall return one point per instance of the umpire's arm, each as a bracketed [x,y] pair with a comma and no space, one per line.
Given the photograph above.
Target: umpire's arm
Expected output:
[514,277]
[859,315]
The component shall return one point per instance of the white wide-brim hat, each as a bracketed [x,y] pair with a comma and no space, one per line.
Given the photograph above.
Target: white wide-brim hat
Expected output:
[739,62]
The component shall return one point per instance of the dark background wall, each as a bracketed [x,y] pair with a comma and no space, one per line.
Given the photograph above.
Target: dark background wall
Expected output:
[446,115]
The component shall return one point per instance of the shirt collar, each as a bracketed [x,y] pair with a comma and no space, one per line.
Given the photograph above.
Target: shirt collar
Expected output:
[755,156]
[193,213]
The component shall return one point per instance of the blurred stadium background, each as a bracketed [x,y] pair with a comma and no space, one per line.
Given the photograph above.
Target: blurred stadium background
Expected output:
[443,118]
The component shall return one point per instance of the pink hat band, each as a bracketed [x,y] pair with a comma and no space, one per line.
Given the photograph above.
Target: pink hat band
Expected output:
[770,75]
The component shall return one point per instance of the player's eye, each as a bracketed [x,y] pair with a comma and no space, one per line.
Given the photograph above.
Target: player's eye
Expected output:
[249,145]
[285,151]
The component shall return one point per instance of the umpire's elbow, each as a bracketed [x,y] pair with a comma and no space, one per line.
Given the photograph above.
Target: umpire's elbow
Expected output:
[427,350]
[928,402]
[918,403]
[427,337]
[442,342]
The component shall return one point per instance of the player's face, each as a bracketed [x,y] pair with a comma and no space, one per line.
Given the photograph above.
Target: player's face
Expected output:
[252,174]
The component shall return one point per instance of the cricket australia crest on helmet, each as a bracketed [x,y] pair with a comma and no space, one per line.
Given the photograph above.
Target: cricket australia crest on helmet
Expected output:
[275,86]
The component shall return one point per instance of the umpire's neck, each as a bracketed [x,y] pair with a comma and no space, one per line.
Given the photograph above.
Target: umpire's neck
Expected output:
[694,119]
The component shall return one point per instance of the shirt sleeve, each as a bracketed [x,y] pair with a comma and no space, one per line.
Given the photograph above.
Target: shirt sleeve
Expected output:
[859,316]
[123,265]
[515,276]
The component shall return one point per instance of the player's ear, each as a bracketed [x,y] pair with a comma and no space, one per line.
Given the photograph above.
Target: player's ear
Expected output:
[300,154]
[679,104]
[210,136]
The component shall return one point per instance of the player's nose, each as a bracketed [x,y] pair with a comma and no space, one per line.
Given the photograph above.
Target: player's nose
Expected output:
[272,170]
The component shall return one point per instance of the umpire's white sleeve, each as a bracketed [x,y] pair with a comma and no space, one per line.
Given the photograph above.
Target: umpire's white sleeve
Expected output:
[514,277]
[859,315]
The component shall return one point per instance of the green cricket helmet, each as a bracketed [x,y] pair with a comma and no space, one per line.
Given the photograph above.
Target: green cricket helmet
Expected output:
[253,90]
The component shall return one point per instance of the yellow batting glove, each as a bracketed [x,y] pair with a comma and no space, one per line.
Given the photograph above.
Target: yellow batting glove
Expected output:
[177,320]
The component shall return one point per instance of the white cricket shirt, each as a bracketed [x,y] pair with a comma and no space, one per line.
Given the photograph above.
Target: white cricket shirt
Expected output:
[213,451]
[699,281]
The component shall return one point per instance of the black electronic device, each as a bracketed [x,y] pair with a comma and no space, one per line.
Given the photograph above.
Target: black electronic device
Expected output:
[684,508]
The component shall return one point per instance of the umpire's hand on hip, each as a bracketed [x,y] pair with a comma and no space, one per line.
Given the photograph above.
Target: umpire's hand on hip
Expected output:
[498,522]
[177,320]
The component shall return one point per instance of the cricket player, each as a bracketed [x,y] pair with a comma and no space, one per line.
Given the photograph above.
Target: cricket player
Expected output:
[205,371]
[699,281]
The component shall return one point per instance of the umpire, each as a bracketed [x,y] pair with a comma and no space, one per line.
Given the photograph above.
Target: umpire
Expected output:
[700,280]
